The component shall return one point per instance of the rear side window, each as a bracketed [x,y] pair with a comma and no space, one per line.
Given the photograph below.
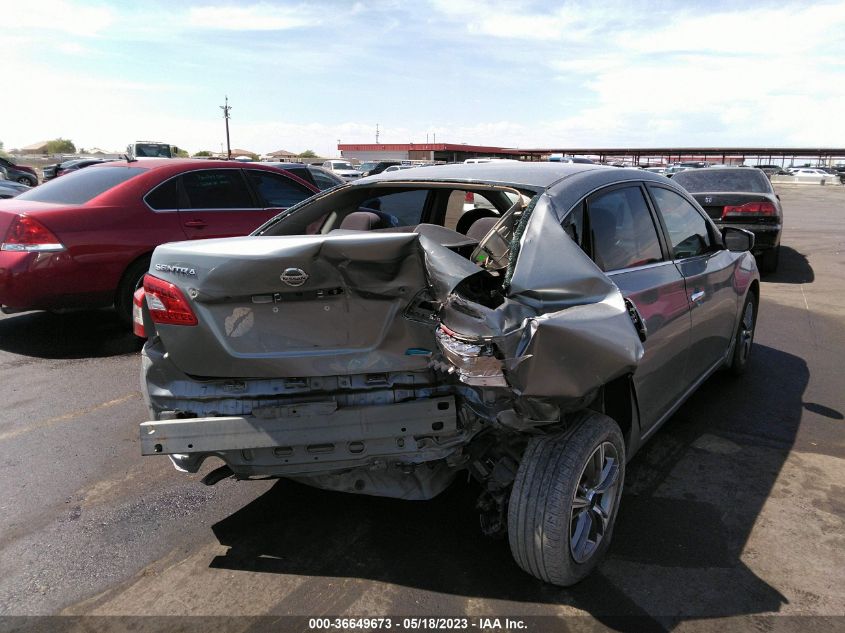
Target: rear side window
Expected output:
[276,190]
[216,189]
[687,229]
[165,197]
[621,230]
[81,186]
[400,209]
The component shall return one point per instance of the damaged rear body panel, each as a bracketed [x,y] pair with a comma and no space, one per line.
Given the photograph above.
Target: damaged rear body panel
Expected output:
[384,361]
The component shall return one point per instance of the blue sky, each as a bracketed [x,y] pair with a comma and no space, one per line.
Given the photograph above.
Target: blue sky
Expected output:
[301,75]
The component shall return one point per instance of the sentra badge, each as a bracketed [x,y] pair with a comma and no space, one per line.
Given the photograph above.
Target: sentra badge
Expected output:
[180,270]
[294,277]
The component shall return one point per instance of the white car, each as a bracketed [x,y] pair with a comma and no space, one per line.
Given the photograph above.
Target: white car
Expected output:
[470,161]
[810,175]
[342,168]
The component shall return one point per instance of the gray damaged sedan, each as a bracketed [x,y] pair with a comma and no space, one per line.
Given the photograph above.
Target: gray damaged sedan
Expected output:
[379,338]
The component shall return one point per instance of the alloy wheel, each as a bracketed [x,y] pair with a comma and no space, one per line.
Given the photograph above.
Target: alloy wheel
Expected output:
[593,502]
[746,332]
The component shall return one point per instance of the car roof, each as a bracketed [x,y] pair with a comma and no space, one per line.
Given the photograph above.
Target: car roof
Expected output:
[167,167]
[536,175]
[182,164]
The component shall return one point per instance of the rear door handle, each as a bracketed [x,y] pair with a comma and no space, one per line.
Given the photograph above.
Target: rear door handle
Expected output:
[196,224]
[697,296]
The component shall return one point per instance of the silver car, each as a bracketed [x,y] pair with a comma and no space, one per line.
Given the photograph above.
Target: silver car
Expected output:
[374,339]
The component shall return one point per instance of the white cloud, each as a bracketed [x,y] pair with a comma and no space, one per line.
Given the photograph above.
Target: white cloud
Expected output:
[58,15]
[256,17]
[512,20]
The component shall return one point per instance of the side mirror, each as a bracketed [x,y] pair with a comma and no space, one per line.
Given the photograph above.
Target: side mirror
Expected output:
[737,240]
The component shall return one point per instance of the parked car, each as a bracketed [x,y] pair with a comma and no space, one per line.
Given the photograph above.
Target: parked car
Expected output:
[54,171]
[317,176]
[694,164]
[19,173]
[773,171]
[671,170]
[488,159]
[810,175]
[11,188]
[85,240]
[838,174]
[743,197]
[373,167]
[536,350]
[397,168]
[342,168]
[560,158]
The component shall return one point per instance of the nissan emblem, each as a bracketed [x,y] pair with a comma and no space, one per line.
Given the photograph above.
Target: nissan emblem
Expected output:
[294,277]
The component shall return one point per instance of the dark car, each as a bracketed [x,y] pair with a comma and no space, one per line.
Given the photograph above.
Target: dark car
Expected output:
[376,340]
[54,171]
[742,197]
[19,173]
[10,188]
[317,176]
[373,167]
[85,240]
[773,171]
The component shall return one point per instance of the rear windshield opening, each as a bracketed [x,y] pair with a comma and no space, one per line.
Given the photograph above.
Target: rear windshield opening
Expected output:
[748,180]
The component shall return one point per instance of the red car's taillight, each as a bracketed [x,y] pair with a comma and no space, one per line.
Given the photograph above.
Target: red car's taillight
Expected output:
[750,208]
[138,314]
[166,302]
[28,234]
[469,198]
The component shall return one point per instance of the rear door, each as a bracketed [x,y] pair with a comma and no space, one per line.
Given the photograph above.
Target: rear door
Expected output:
[707,270]
[218,203]
[619,230]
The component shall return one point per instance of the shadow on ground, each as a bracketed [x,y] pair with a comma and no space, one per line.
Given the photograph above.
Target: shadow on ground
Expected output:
[793,268]
[665,547]
[83,334]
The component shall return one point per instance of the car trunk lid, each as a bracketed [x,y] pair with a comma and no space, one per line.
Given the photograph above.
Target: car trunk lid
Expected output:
[296,306]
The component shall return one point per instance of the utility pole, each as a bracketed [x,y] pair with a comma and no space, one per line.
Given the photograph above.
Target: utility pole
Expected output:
[226,109]
[376,133]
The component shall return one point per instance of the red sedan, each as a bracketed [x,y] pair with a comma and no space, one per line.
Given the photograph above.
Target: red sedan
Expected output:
[85,240]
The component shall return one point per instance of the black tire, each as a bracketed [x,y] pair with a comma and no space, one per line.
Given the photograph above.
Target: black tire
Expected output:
[27,181]
[542,515]
[130,282]
[744,337]
[767,262]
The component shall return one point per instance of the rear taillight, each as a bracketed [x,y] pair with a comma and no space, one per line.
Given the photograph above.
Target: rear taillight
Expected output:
[472,360]
[138,313]
[750,208]
[166,303]
[28,234]
[469,198]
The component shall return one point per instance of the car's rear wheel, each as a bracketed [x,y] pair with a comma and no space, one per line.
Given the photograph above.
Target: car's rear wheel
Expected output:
[744,338]
[768,260]
[27,181]
[565,498]
[132,279]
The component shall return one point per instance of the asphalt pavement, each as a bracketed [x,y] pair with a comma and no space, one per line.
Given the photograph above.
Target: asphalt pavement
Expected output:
[732,512]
